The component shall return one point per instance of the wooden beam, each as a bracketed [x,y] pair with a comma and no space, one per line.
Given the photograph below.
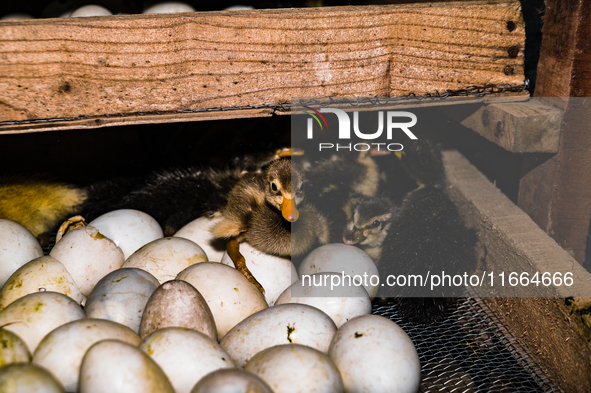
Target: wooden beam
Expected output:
[556,191]
[552,332]
[114,65]
[519,127]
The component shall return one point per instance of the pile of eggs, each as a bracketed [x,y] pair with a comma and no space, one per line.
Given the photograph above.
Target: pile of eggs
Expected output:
[117,307]
[97,10]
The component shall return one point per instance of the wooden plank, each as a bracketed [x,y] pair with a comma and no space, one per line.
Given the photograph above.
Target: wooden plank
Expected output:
[556,191]
[552,332]
[520,127]
[72,67]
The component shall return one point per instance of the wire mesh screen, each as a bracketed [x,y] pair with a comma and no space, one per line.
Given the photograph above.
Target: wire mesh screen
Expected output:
[471,351]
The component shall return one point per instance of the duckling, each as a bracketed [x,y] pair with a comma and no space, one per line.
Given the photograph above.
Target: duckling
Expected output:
[331,182]
[262,209]
[426,233]
[369,224]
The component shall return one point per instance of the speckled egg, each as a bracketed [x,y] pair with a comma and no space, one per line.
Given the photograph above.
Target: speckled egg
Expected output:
[177,303]
[165,258]
[282,324]
[185,355]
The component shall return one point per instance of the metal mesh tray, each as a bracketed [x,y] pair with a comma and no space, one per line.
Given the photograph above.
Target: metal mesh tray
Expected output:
[471,351]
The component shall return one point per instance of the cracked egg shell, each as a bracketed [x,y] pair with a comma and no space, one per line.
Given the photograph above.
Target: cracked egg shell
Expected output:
[340,304]
[274,273]
[62,350]
[14,349]
[112,366]
[374,354]
[341,258]
[27,378]
[234,380]
[39,275]
[277,325]
[88,255]
[33,316]
[185,355]
[177,303]
[121,297]
[230,296]
[17,247]
[296,368]
[165,258]
[129,229]
[199,231]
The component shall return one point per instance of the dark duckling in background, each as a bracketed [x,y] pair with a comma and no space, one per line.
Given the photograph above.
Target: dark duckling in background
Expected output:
[426,233]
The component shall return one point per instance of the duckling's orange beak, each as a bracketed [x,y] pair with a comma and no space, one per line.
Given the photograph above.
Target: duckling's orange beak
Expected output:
[289,210]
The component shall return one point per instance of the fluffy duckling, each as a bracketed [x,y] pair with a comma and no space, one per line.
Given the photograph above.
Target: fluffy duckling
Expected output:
[369,224]
[262,209]
[425,234]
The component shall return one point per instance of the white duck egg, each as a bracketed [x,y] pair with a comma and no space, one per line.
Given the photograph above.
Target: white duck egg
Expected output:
[199,231]
[27,378]
[39,275]
[282,324]
[88,255]
[165,258]
[169,8]
[17,247]
[112,366]
[293,368]
[62,350]
[129,229]
[91,10]
[274,273]
[229,295]
[33,316]
[121,296]
[185,355]
[374,354]
[326,292]
[343,259]
[233,380]
[13,350]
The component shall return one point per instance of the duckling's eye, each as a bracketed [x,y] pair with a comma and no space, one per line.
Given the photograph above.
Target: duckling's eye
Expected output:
[375,224]
[274,186]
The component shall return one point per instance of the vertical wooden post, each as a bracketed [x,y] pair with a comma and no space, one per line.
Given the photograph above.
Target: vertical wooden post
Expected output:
[555,190]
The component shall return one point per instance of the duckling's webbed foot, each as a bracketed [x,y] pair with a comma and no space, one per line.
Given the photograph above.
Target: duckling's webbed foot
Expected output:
[233,248]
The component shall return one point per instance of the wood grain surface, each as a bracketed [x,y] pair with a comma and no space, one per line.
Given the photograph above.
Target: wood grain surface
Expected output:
[135,64]
[556,190]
